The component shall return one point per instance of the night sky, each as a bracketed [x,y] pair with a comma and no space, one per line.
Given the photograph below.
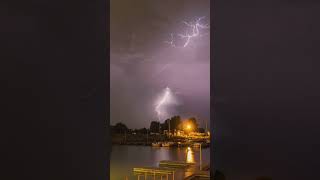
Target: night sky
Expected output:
[142,65]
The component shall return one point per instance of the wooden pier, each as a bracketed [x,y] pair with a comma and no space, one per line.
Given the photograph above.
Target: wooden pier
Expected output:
[168,169]
[178,164]
[154,172]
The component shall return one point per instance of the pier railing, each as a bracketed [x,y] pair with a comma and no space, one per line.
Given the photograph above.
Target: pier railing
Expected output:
[154,172]
[167,169]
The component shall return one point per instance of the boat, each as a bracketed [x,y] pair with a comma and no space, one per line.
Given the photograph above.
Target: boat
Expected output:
[183,144]
[156,144]
[167,144]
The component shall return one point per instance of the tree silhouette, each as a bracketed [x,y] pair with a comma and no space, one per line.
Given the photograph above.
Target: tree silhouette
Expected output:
[164,126]
[143,131]
[155,127]
[120,128]
[193,120]
[175,122]
[201,130]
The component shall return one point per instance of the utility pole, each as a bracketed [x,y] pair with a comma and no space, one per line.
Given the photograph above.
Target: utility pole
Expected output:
[206,126]
[169,127]
[200,157]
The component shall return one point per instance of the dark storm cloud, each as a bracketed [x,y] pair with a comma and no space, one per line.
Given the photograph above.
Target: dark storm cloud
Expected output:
[142,65]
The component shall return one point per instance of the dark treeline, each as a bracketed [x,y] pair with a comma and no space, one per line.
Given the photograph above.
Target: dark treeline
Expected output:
[176,123]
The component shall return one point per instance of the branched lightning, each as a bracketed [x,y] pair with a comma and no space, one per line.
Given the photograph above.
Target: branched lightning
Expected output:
[195,30]
[192,32]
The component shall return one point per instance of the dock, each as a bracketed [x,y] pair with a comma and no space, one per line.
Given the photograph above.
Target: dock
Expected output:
[146,172]
[168,169]
[178,164]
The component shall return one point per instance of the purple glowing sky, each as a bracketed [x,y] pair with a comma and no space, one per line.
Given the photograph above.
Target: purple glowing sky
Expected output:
[142,65]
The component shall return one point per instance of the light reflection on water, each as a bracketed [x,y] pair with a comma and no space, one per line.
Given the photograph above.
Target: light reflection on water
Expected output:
[190,155]
[125,158]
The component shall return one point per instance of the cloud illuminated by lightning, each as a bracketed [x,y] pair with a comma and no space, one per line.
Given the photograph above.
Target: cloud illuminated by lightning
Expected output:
[171,42]
[165,99]
[192,32]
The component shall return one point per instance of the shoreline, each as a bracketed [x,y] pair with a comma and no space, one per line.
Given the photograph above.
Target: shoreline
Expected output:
[173,144]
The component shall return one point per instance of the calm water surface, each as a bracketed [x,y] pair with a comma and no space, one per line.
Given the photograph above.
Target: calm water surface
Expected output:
[125,158]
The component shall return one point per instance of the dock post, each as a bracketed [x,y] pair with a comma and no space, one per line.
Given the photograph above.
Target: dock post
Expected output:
[145,176]
[154,175]
[172,175]
[167,176]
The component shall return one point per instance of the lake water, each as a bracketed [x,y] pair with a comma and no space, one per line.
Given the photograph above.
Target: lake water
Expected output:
[125,158]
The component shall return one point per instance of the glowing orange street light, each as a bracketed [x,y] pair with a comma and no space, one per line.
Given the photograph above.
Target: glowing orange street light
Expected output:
[188,127]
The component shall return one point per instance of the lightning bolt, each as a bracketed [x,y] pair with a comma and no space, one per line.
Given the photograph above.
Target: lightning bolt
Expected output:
[163,100]
[192,32]
[195,30]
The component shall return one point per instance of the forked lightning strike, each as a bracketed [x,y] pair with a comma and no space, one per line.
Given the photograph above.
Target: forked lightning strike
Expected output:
[190,33]
[165,99]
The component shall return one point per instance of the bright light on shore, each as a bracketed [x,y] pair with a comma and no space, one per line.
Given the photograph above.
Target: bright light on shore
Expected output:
[188,126]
